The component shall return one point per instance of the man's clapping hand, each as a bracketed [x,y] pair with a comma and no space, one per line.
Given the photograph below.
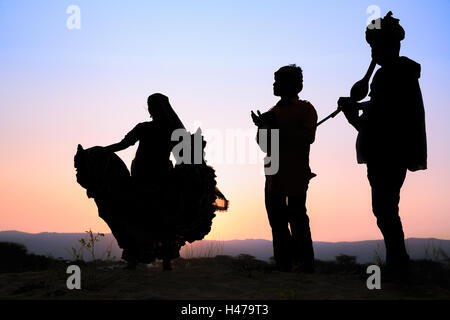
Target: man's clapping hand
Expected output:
[256,118]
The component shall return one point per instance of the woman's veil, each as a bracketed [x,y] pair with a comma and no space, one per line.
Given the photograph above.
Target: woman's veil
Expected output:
[160,103]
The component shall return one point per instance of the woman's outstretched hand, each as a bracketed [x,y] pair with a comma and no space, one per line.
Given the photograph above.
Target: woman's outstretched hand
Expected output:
[115,147]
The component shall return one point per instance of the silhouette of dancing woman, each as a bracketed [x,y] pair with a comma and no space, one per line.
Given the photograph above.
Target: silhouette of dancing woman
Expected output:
[151,165]
[153,212]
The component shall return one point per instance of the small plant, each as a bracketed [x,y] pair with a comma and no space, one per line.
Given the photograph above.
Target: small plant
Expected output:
[88,244]
[92,272]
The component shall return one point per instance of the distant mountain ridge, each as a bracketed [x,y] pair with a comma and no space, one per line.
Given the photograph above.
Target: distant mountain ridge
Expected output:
[59,245]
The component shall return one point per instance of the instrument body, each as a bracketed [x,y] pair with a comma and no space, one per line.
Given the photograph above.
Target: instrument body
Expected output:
[358,91]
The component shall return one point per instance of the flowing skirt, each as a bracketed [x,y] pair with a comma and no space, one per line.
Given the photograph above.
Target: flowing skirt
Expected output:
[152,222]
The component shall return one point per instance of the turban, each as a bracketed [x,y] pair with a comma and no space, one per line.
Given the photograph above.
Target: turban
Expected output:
[387,29]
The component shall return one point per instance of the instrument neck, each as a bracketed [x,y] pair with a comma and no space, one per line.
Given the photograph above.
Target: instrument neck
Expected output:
[370,71]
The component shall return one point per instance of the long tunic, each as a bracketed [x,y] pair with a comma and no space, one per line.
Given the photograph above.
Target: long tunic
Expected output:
[392,129]
[296,120]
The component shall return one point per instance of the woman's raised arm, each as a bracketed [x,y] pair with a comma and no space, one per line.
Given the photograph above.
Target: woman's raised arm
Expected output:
[116,146]
[130,139]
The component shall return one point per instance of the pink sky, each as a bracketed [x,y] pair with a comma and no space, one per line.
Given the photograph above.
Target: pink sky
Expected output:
[62,87]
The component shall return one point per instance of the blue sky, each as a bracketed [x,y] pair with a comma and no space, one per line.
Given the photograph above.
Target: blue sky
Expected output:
[215,60]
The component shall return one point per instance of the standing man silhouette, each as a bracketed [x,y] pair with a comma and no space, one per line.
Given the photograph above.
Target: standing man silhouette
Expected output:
[391,131]
[285,191]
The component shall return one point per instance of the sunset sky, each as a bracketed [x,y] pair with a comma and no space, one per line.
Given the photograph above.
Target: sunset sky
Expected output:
[215,61]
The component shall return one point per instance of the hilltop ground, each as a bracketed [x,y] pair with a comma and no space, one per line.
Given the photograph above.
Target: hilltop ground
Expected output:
[221,277]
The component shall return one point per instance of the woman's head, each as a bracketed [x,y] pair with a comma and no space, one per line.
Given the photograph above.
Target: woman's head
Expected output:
[160,110]
[156,104]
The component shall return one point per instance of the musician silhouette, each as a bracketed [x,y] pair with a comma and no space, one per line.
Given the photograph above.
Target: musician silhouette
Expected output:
[391,131]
